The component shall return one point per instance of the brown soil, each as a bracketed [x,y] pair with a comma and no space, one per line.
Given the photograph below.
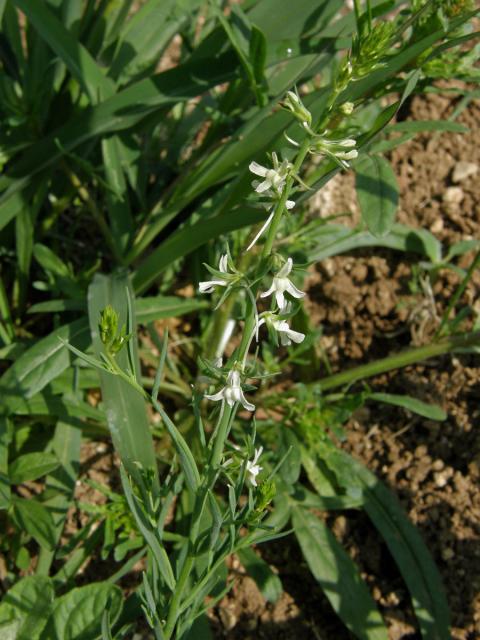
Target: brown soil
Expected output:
[367,309]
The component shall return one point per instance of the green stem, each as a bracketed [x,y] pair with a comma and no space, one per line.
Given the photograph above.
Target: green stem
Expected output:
[457,295]
[358,11]
[218,447]
[400,360]
[369,15]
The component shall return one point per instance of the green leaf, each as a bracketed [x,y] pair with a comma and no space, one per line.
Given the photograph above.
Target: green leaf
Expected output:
[54,306]
[4,479]
[268,582]
[186,240]
[338,576]
[334,239]
[187,461]
[31,466]
[377,193]
[120,112]
[41,363]
[35,519]
[25,608]
[431,411]
[78,60]
[149,309]
[60,484]
[417,126]
[151,536]
[124,406]
[78,614]
[289,447]
[50,261]
[402,538]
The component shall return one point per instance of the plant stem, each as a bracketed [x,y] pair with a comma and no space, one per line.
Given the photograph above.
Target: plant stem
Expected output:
[369,15]
[457,295]
[399,360]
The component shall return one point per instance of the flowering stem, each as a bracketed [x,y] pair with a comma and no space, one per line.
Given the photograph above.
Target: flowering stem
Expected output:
[249,327]
[279,209]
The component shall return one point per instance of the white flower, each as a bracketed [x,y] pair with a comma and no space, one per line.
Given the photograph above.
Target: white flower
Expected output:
[209,286]
[281,283]
[286,334]
[274,178]
[232,392]
[289,204]
[336,149]
[280,325]
[253,468]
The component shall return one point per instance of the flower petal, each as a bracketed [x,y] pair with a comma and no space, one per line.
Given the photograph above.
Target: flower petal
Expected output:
[280,299]
[265,294]
[293,291]
[263,186]
[257,169]
[264,227]
[285,270]
[296,336]
[245,404]
[223,264]
[216,396]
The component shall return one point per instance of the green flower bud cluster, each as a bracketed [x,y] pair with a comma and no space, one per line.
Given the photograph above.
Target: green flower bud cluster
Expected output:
[108,327]
[266,492]
[368,49]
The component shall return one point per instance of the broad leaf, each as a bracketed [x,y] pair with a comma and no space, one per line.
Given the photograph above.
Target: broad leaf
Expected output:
[78,614]
[35,519]
[31,466]
[377,193]
[25,608]
[268,582]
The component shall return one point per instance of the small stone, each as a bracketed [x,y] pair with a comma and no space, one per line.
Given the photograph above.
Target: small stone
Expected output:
[228,618]
[448,554]
[464,170]
[438,465]
[440,479]
[453,195]
[437,226]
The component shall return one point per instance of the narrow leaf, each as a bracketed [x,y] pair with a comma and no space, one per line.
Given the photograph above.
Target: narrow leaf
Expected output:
[338,576]
[431,411]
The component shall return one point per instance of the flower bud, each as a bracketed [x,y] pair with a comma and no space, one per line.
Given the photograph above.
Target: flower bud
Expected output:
[108,325]
[347,108]
[293,103]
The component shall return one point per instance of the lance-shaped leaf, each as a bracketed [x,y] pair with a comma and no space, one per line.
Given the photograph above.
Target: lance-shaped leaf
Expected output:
[338,576]
[124,406]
